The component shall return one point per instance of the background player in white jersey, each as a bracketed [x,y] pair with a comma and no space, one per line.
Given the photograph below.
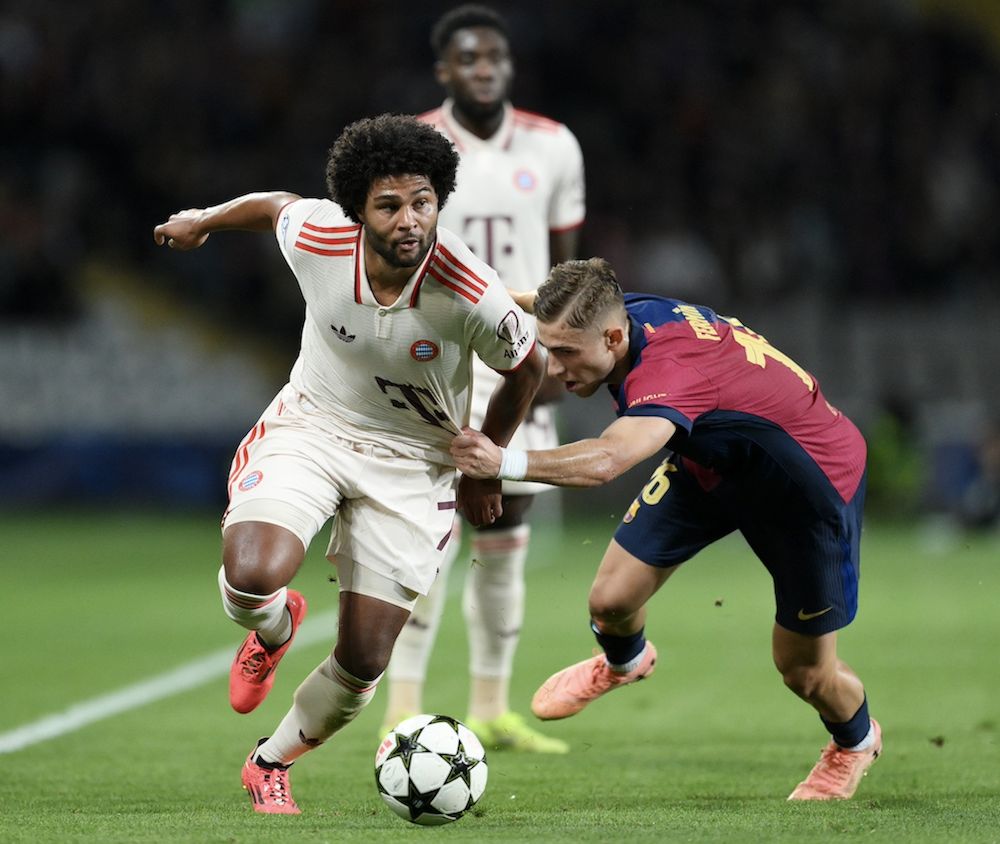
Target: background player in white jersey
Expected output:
[518,204]
[395,310]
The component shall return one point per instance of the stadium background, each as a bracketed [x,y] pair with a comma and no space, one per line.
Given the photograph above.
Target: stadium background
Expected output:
[828,172]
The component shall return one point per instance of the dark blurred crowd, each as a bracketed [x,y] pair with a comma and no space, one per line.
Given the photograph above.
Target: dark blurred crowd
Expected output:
[735,149]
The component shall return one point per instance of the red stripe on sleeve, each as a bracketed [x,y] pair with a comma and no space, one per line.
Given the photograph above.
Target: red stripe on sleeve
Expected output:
[462,267]
[456,279]
[326,240]
[330,253]
[536,121]
[332,229]
[452,286]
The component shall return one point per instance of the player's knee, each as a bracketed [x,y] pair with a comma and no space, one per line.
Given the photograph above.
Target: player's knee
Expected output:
[259,575]
[609,607]
[806,681]
[248,580]
[260,559]
[368,667]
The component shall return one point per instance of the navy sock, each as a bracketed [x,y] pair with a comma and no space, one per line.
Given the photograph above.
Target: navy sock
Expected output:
[620,649]
[852,732]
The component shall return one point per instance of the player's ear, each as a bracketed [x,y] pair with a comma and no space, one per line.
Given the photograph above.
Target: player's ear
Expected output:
[613,337]
[441,73]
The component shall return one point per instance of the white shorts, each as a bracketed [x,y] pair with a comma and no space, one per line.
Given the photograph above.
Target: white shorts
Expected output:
[393,514]
[354,577]
[536,432]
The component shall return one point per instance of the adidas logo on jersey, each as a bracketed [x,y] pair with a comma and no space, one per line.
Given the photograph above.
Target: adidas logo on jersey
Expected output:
[342,334]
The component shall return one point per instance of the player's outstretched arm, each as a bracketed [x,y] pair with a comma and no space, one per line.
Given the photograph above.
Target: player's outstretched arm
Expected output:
[583,463]
[256,212]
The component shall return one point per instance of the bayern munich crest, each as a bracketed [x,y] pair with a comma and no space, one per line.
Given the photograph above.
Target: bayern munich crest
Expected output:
[423,351]
[250,481]
[525,180]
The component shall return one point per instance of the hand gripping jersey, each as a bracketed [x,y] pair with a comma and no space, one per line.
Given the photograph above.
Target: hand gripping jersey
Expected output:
[741,406]
[394,375]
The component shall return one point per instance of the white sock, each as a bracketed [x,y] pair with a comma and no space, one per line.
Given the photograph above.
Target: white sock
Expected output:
[489,697]
[412,650]
[493,600]
[327,700]
[631,665]
[866,742]
[267,614]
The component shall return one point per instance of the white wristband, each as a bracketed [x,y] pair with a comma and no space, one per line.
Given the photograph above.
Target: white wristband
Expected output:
[513,464]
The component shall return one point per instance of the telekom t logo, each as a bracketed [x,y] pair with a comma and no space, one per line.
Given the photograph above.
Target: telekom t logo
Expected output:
[490,237]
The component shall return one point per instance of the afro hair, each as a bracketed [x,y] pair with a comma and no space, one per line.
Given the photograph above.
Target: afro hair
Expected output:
[388,145]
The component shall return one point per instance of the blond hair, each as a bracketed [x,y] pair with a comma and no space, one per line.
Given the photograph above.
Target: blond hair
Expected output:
[580,293]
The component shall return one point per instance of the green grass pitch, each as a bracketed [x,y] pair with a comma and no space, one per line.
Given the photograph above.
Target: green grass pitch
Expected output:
[705,750]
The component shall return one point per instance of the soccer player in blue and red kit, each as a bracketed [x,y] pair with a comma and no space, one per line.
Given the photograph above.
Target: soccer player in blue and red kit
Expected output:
[755,447]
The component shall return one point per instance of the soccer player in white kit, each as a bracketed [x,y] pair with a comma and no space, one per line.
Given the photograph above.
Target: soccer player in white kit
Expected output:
[395,310]
[518,204]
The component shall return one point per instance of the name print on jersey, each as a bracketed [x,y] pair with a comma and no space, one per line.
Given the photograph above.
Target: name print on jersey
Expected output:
[703,329]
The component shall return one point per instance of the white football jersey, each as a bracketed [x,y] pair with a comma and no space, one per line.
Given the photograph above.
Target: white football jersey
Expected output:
[512,190]
[394,375]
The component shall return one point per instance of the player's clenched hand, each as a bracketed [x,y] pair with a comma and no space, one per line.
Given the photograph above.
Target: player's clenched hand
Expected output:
[479,500]
[182,231]
[476,455]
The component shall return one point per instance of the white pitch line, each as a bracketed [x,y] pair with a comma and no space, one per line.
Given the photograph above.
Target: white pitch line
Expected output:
[190,676]
[182,679]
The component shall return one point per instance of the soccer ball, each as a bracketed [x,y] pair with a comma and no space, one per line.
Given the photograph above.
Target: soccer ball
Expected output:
[430,769]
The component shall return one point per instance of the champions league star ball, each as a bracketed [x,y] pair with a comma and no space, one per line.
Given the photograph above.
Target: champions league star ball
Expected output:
[430,769]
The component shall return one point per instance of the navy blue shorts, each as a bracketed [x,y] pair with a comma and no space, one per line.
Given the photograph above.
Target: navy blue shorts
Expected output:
[813,557]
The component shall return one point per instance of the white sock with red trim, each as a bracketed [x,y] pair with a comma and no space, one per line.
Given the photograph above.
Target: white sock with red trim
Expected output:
[412,651]
[264,613]
[327,700]
[493,600]
[415,642]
